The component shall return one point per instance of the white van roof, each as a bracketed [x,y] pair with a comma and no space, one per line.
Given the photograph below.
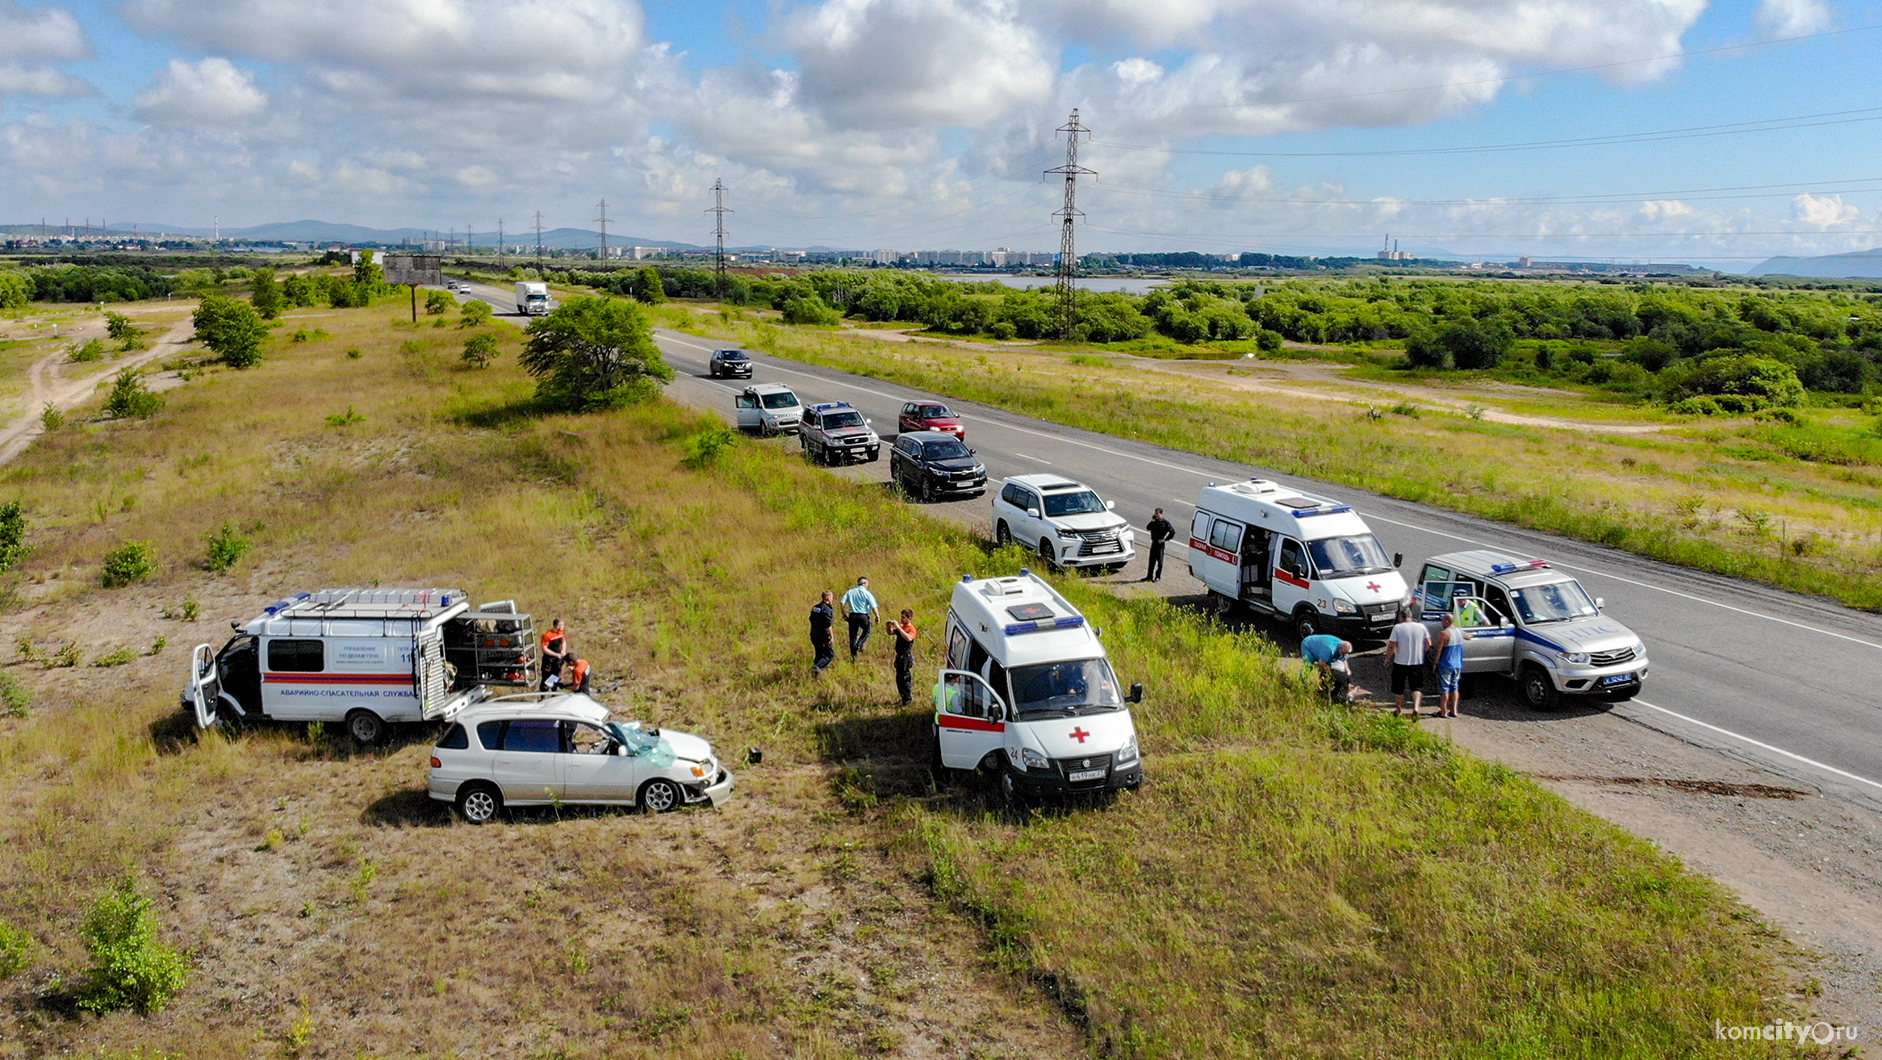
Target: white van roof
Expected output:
[1022,621]
[418,605]
[1261,502]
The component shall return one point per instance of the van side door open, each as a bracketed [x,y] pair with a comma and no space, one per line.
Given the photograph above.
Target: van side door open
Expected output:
[205,685]
[970,719]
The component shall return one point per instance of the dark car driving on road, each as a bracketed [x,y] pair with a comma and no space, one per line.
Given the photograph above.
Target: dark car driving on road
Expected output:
[930,465]
[927,414]
[729,364]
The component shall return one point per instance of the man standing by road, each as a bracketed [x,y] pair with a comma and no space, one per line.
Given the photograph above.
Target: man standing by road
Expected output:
[1405,649]
[860,610]
[904,633]
[555,646]
[1328,654]
[1160,534]
[822,617]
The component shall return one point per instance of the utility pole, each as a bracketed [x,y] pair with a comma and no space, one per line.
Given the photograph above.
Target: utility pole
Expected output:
[539,237]
[499,244]
[1068,253]
[601,252]
[469,247]
[718,212]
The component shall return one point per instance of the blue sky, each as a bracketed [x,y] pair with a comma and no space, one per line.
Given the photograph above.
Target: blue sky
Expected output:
[1221,125]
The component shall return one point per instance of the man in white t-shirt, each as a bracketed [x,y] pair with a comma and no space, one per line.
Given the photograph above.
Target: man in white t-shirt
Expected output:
[1405,649]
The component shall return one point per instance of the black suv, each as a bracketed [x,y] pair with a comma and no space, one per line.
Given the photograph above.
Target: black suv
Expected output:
[729,364]
[931,464]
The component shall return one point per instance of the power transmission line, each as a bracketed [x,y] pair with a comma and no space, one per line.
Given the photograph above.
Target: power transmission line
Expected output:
[602,253]
[1067,214]
[718,229]
[1745,191]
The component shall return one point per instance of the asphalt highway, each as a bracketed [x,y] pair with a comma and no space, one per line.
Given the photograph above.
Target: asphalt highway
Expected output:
[1786,682]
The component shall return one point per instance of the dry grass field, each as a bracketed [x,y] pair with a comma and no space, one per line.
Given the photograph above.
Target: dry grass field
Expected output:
[1291,881]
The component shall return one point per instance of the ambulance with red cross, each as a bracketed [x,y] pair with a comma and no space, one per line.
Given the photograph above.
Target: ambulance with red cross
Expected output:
[1307,561]
[1027,695]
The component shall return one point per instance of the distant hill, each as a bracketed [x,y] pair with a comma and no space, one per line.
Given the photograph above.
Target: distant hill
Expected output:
[1861,264]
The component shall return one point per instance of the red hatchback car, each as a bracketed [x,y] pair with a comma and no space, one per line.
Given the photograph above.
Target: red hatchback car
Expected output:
[926,415]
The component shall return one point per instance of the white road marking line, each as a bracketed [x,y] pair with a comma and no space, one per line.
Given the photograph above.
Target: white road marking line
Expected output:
[1761,744]
[1395,522]
[1023,456]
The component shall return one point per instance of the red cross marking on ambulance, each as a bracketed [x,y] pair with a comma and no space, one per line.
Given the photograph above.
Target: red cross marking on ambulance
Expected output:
[1079,734]
[1374,586]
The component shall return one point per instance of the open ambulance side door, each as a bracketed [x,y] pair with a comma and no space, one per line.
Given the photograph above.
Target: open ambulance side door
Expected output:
[205,685]
[970,719]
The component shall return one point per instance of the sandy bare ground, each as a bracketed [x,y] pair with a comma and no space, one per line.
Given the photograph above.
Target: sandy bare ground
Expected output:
[48,384]
[1322,382]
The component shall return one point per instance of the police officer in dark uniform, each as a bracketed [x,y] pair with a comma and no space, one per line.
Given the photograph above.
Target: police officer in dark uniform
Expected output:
[822,619]
[1160,534]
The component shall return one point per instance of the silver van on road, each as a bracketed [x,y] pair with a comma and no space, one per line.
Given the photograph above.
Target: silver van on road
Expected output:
[1533,623]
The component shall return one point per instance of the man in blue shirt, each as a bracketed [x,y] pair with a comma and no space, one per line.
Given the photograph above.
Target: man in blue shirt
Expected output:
[859,610]
[1328,654]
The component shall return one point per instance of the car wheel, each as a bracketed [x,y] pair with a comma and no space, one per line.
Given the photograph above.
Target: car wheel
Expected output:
[1306,623]
[1001,535]
[660,795]
[1048,555]
[479,803]
[1538,691]
[927,491]
[366,727]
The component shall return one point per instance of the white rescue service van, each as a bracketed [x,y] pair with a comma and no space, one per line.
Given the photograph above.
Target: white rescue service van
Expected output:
[1306,560]
[1027,694]
[365,657]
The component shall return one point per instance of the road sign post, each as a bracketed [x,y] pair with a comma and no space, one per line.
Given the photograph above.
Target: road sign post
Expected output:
[413,270]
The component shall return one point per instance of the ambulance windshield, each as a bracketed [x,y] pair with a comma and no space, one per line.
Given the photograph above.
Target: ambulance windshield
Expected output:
[1344,557]
[1063,689]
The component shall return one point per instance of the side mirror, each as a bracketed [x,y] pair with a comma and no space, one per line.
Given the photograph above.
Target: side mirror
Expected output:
[1501,622]
[620,750]
[1108,505]
[1599,603]
[867,421]
[1398,560]
[973,452]
[1137,694]
[1033,512]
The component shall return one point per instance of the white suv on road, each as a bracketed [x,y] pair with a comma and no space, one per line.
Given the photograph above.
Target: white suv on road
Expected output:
[541,748]
[1066,522]
[769,408]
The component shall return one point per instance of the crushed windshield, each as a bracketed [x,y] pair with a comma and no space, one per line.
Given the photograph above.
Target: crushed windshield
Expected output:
[1080,502]
[1554,602]
[643,743]
[1341,557]
[1080,686]
[843,419]
[780,401]
[948,450]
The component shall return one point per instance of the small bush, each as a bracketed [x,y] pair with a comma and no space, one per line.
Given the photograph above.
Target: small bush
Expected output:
[157,646]
[15,950]
[352,353]
[475,313]
[438,302]
[706,447]
[51,418]
[16,700]
[1695,406]
[130,399]
[410,347]
[130,967]
[130,562]
[116,657]
[12,535]
[343,419]
[91,351]
[120,328]
[809,309]
[1268,341]
[227,546]
[480,349]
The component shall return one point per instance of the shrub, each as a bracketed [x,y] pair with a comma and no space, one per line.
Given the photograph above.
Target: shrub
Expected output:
[116,657]
[809,309]
[1268,341]
[706,447]
[593,353]
[130,399]
[648,288]
[1739,383]
[345,419]
[120,328]
[1002,330]
[15,700]
[15,948]
[1477,344]
[266,295]
[227,546]
[480,349]
[437,303]
[475,313]
[131,968]
[231,330]
[91,351]
[51,417]
[130,562]
[12,535]
[1695,406]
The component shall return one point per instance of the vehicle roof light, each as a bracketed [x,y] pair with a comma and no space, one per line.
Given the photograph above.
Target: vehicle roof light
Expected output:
[1505,568]
[1302,513]
[1064,622]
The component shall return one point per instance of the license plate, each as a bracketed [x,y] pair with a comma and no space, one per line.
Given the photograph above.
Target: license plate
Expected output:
[1085,774]
[1100,549]
[1617,679]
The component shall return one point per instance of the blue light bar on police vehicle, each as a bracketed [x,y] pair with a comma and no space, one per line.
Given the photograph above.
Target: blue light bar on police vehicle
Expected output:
[1505,568]
[1067,622]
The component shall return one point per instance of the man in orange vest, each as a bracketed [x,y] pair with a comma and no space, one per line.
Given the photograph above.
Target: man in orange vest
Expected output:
[578,675]
[554,652]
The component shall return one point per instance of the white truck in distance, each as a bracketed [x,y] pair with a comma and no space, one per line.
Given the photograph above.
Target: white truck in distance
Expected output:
[532,298]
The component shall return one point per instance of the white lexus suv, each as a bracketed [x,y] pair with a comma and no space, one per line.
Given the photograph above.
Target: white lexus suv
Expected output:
[543,748]
[1066,522]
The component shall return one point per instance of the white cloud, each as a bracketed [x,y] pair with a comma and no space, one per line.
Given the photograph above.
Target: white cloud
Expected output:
[1793,18]
[32,41]
[210,92]
[1824,211]
[1658,209]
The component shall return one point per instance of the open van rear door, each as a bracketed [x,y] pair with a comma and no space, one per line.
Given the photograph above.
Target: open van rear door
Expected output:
[429,682]
[205,686]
